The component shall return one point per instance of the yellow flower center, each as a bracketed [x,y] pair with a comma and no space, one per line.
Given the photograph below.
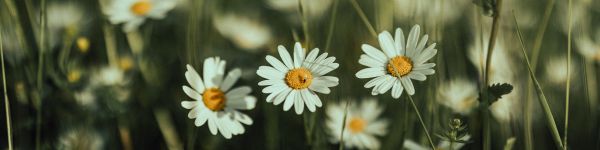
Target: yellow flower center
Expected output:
[399,66]
[74,76]
[83,44]
[299,78]
[356,125]
[214,99]
[141,7]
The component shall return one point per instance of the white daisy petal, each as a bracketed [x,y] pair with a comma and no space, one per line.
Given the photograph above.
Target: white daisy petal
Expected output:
[417,76]
[374,53]
[274,88]
[424,66]
[411,43]
[193,113]
[369,61]
[209,72]
[276,63]
[194,79]
[319,88]
[191,93]
[238,92]
[308,100]
[311,57]
[386,85]
[281,96]
[230,79]
[370,73]
[270,82]
[399,41]
[289,101]
[387,44]
[397,89]
[247,103]
[327,81]
[421,44]
[298,55]
[408,86]
[426,55]
[189,104]
[299,103]
[316,99]
[376,81]
[426,71]
[201,119]
[285,57]
[269,73]
[212,124]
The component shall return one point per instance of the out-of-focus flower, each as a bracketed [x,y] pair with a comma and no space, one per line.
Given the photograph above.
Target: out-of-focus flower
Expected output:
[109,76]
[502,108]
[126,63]
[80,138]
[589,45]
[314,8]
[458,94]
[362,124]
[430,11]
[296,80]
[444,145]
[134,12]
[397,63]
[243,31]
[216,101]
[65,17]
[86,97]
[556,70]
[83,44]
[74,75]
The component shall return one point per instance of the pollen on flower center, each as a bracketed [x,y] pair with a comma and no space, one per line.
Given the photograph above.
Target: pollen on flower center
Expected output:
[399,66]
[298,78]
[141,7]
[356,125]
[214,99]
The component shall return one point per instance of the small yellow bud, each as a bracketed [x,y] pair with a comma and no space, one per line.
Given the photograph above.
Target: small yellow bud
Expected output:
[74,76]
[83,44]
[126,63]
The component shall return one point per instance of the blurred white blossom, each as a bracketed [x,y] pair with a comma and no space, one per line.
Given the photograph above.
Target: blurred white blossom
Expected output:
[134,12]
[245,32]
[458,94]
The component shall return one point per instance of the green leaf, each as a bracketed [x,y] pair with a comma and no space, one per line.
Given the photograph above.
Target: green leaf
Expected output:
[498,90]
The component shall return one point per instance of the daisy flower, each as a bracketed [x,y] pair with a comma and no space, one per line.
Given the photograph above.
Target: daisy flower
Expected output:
[314,8]
[397,63]
[443,145]
[243,31]
[134,12]
[458,94]
[216,100]
[362,124]
[556,70]
[295,81]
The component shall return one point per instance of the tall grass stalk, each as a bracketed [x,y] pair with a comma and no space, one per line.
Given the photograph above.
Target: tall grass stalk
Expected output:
[6,102]
[111,45]
[541,97]
[488,63]
[568,86]
[167,128]
[344,126]
[42,50]
[363,17]
[331,24]
[534,61]
[412,102]
[304,20]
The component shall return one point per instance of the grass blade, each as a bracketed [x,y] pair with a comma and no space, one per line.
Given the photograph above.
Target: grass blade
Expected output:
[541,97]
[6,102]
[568,86]
[344,126]
[363,17]
[421,120]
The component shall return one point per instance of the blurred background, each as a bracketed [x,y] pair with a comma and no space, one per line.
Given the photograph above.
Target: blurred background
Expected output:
[76,80]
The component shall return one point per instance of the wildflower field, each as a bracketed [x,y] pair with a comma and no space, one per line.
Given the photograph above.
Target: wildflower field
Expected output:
[300,74]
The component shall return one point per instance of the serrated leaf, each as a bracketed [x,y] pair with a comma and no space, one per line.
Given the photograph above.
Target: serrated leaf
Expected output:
[498,90]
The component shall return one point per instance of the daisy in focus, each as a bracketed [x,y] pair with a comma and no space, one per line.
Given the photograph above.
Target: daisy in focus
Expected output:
[216,101]
[458,94]
[296,81]
[362,124]
[397,63]
[134,12]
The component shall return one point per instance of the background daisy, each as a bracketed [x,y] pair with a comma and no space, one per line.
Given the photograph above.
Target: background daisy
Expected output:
[216,101]
[296,80]
[134,12]
[363,124]
[397,63]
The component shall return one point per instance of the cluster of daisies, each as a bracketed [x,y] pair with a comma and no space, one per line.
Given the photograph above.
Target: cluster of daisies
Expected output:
[295,79]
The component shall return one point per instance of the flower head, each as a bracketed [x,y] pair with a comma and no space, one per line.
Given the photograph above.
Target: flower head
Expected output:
[460,95]
[134,12]
[296,80]
[216,100]
[397,63]
[362,124]
[244,32]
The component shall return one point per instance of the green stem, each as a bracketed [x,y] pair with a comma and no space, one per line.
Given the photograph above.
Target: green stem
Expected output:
[344,126]
[421,120]
[568,86]
[492,42]
[541,97]
[331,24]
[42,49]
[304,20]
[6,102]
[363,17]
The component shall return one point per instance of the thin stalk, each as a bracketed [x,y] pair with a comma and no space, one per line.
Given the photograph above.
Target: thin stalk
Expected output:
[307,127]
[344,126]
[6,102]
[304,20]
[331,24]
[534,60]
[492,42]
[111,45]
[363,17]
[42,49]
[540,92]
[167,128]
[568,86]
[421,120]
